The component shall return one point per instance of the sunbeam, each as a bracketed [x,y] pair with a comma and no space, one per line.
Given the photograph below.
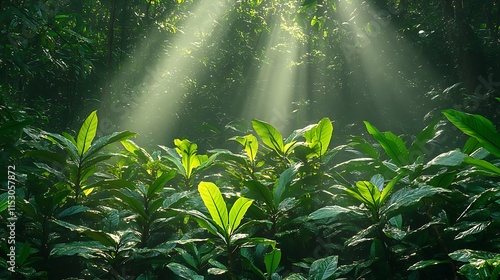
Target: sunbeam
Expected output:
[165,87]
[271,96]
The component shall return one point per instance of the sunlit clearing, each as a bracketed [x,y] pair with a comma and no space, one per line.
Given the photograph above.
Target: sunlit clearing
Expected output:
[164,89]
[271,96]
[388,63]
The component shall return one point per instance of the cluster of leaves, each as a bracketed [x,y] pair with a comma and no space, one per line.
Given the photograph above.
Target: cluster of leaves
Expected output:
[100,206]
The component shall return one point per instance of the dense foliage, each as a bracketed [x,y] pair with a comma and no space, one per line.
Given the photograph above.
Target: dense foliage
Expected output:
[380,161]
[378,207]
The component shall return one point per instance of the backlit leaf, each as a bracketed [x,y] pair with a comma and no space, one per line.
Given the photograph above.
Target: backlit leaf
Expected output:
[478,127]
[87,133]
[212,198]
[237,212]
[269,135]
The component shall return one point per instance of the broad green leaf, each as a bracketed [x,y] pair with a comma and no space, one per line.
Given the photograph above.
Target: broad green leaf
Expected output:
[184,272]
[466,255]
[388,188]
[259,191]
[477,228]
[360,144]
[331,212]
[269,135]
[369,192]
[23,253]
[272,261]
[284,182]
[106,239]
[378,180]
[478,127]
[203,221]
[64,143]
[127,197]
[212,198]
[69,137]
[84,249]
[295,276]
[47,155]
[174,157]
[471,145]
[250,144]
[451,158]
[158,184]
[319,136]
[481,200]
[391,143]
[407,197]
[106,140]
[187,150]
[483,165]
[132,147]
[426,263]
[87,134]
[237,212]
[72,210]
[323,268]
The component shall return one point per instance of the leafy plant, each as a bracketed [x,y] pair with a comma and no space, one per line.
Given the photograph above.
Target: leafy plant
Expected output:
[81,156]
[225,224]
[186,161]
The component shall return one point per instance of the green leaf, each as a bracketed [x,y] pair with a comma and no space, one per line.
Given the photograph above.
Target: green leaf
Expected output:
[483,165]
[369,193]
[23,254]
[272,261]
[407,197]
[451,158]
[284,182]
[106,140]
[86,134]
[388,188]
[269,135]
[187,150]
[329,212]
[323,268]
[160,182]
[477,228]
[481,200]
[64,143]
[478,127]
[184,272]
[84,249]
[259,191]
[471,145]
[466,255]
[319,136]
[132,147]
[212,198]
[426,263]
[237,212]
[250,144]
[391,143]
[174,157]
[72,210]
